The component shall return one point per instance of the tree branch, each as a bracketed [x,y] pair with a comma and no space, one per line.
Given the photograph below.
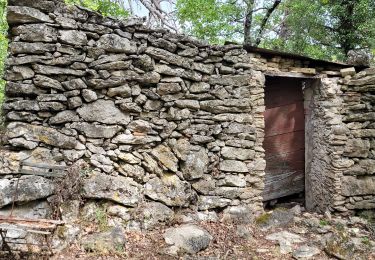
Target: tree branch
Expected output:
[265,20]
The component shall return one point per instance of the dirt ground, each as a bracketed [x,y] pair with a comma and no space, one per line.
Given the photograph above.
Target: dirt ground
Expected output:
[249,240]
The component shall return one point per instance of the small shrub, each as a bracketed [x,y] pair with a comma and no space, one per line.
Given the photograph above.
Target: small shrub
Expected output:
[366,241]
[263,219]
[102,219]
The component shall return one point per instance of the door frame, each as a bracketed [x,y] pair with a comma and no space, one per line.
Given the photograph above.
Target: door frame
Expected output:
[311,85]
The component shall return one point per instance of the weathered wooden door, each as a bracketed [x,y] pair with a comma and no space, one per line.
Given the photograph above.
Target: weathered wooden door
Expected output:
[284,141]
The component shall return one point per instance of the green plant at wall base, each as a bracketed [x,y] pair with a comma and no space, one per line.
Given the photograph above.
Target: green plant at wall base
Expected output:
[366,241]
[3,46]
[102,219]
[105,7]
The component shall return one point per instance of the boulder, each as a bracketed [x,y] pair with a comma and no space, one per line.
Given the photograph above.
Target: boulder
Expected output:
[170,190]
[53,70]
[64,117]
[43,5]
[164,155]
[205,68]
[286,240]
[168,88]
[96,131]
[24,14]
[169,57]
[116,43]
[352,186]
[105,59]
[239,214]
[233,166]
[140,127]
[103,111]
[199,87]
[339,245]
[357,148]
[46,135]
[212,202]
[188,238]
[116,65]
[155,213]
[19,73]
[122,190]
[74,84]
[74,102]
[30,188]
[112,241]
[231,80]
[89,95]
[20,89]
[22,105]
[235,153]
[33,210]
[36,33]
[122,91]
[196,164]
[305,251]
[180,147]
[134,139]
[46,82]
[144,62]
[73,37]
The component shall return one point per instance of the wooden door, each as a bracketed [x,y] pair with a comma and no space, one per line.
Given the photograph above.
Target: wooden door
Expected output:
[284,141]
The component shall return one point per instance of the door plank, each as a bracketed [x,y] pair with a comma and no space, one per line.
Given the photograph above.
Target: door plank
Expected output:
[284,141]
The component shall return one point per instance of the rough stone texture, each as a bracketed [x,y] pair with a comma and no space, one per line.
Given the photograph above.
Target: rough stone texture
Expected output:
[170,190]
[24,14]
[105,242]
[189,238]
[103,111]
[30,188]
[46,135]
[155,213]
[119,189]
[166,118]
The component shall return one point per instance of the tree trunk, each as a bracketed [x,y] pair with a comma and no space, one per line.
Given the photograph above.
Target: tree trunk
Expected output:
[346,26]
[248,22]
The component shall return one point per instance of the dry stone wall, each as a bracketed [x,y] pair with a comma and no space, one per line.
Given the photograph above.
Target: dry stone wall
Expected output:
[340,143]
[159,117]
[358,141]
[167,122]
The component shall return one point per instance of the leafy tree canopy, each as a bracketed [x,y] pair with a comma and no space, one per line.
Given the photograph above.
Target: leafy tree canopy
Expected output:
[113,8]
[319,28]
[324,28]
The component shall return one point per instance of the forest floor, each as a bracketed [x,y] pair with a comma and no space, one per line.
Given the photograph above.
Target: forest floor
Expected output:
[280,233]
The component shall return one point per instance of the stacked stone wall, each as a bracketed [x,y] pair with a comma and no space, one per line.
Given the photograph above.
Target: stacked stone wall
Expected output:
[166,121]
[357,144]
[159,117]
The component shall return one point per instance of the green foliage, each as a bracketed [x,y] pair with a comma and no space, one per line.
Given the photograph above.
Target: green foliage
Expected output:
[325,29]
[105,7]
[212,20]
[101,219]
[3,45]
[366,241]
[263,219]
